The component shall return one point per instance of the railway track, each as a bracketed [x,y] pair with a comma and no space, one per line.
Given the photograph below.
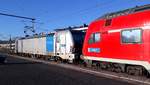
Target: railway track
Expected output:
[123,76]
[138,80]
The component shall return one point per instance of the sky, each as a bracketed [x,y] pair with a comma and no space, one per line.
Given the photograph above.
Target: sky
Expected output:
[54,14]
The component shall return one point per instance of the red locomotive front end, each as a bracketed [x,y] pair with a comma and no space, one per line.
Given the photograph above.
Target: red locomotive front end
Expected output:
[121,38]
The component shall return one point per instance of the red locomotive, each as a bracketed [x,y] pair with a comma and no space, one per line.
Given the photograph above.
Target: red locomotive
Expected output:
[120,40]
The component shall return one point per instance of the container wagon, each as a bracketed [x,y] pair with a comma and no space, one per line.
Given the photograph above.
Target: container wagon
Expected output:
[120,41]
[38,46]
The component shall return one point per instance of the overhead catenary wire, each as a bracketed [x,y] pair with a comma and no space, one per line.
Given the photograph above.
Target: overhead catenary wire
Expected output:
[32,28]
[38,25]
[11,15]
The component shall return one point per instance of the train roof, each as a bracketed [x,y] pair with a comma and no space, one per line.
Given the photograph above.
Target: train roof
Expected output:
[125,12]
[36,36]
[73,28]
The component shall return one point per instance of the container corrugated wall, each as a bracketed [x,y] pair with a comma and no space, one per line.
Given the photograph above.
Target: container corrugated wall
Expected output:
[41,45]
[19,46]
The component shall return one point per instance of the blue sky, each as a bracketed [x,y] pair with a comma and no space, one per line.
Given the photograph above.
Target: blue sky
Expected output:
[53,14]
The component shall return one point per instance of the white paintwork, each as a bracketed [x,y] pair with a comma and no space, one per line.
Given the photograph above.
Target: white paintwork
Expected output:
[54,45]
[64,45]
[145,64]
[39,45]
[84,28]
[19,46]
[27,46]
[32,46]
[112,31]
[118,30]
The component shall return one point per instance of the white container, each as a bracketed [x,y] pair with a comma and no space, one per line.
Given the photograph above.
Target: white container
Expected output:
[44,45]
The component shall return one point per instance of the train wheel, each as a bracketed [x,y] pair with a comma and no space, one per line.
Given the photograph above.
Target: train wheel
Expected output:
[59,60]
[84,64]
[88,63]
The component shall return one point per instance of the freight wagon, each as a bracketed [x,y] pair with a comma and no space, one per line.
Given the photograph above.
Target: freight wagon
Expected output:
[37,46]
[120,41]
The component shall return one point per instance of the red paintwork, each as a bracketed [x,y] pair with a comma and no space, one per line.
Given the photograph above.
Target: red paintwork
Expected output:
[110,44]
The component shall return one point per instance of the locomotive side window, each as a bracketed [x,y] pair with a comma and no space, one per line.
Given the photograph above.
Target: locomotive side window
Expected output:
[131,36]
[95,37]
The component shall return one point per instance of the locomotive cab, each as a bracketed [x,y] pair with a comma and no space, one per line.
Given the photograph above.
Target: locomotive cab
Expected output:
[69,44]
[121,38]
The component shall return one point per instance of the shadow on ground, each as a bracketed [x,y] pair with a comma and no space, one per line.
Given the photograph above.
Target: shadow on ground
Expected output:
[19,63]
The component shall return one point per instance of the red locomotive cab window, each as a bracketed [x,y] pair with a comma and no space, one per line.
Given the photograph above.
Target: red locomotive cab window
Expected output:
[94,37]
[91,40]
